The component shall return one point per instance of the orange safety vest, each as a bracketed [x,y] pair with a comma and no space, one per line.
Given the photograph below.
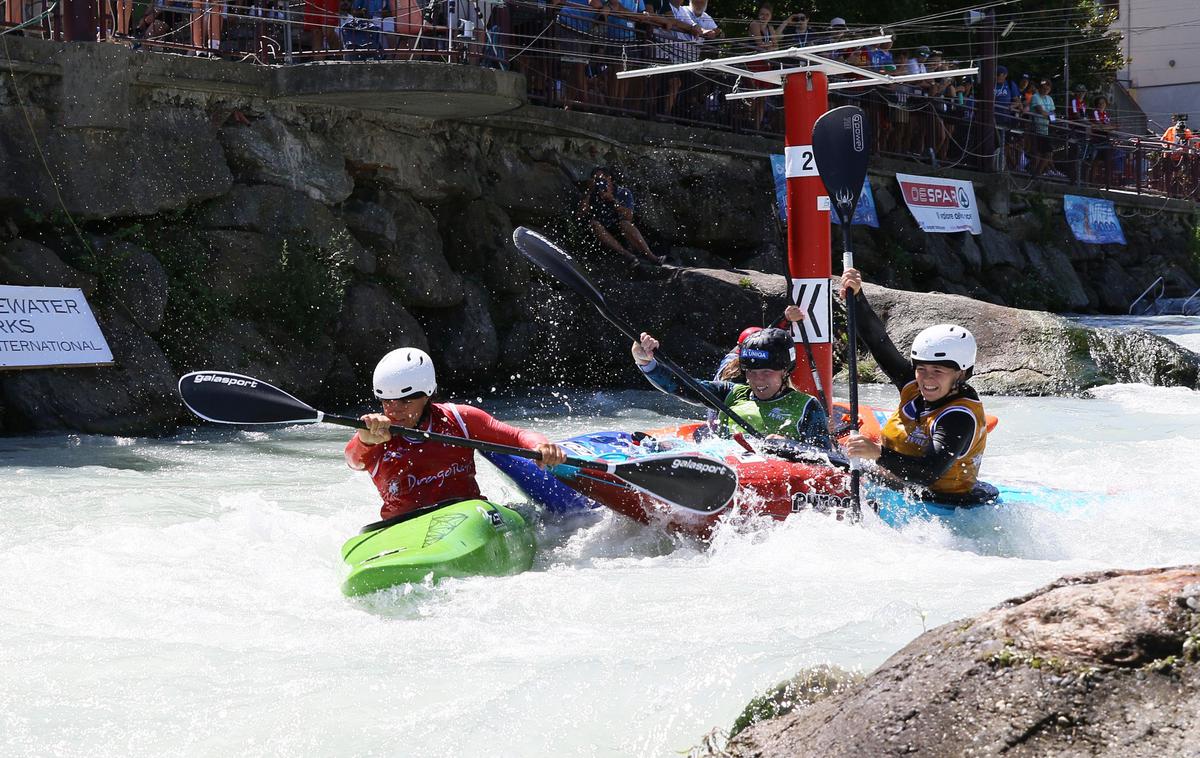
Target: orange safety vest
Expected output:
[1172,135]
[910,433]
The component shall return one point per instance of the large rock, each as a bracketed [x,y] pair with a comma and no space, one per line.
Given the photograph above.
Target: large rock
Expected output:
[371,224]
[283,215]
[166,159]
[416,262]
[463,341]
[1032,353]
[480,243]
[1057,281]
[1000,249]
[237,261]
[371,323]
[528,189]
[1097,665]
[29,264]
[269,352]
[135,395]
[427,162]
[685,197]
[139,284]
[272,151]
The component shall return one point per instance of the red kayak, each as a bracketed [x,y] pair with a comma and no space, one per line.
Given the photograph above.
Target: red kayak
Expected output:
[767,486]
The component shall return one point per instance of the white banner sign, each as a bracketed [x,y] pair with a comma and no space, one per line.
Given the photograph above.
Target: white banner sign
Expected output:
[941,205]
[48,326]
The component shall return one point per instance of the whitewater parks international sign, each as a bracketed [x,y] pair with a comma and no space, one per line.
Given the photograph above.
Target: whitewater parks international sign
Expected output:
[48,326]
[941,205]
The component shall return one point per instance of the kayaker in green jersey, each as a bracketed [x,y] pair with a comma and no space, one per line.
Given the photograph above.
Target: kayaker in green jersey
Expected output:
[767,400]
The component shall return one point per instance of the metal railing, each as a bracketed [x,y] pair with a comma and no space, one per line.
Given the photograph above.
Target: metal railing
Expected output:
[572,64]
[1158,283]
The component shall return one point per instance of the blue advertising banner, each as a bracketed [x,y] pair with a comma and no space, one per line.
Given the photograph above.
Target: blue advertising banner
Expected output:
[779,170]
[1093,220]
[864,214]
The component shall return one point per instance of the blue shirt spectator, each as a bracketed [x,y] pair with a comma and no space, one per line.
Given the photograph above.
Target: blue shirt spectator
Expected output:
[1005,93]
[577,15]
[621,29]
[881,58]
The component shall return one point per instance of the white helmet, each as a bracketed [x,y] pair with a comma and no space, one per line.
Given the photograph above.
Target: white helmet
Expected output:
[403,373]
[947,344]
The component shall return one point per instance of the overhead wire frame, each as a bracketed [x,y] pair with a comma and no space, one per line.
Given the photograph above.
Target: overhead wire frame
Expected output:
[813,61]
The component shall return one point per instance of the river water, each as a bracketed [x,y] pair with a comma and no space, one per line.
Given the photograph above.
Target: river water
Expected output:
[181,596]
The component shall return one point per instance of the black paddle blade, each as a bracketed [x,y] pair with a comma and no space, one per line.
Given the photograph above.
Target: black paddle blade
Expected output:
[841,147]
[552,259]
[693,482]
[228,398]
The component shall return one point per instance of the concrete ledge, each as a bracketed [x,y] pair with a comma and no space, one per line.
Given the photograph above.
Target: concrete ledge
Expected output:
[430,90]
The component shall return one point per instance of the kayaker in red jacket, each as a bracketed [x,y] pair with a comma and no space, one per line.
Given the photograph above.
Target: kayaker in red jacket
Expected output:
[411,475]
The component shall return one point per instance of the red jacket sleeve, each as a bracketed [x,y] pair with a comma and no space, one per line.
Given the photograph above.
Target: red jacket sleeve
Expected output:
[482,426]
[360,456]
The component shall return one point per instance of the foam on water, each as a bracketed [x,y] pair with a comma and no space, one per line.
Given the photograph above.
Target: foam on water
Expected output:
[181,596]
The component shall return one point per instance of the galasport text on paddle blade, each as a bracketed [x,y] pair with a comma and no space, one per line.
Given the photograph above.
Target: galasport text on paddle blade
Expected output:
[228,398]
[696,483]
[841,147]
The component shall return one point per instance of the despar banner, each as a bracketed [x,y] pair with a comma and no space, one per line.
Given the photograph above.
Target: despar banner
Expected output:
[1093,220]
[864,212]
[941,205]
[779,171]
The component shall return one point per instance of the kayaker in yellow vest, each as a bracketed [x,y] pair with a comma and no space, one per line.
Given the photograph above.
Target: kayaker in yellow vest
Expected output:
[936,438]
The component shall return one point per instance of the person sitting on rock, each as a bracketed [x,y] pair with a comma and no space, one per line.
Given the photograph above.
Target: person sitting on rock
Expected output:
[608,208]
[766,399]
[937,436]
[414,474]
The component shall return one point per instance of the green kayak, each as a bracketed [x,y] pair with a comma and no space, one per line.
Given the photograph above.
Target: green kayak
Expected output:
[467,538]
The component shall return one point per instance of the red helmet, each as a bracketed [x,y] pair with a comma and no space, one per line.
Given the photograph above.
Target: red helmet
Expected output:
[747,332]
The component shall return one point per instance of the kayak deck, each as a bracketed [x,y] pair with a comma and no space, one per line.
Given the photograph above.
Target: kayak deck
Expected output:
[467,538]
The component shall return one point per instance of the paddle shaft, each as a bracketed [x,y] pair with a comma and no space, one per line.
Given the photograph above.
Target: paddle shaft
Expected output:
[852,361]
[714,402]
[554,261]
[484,447]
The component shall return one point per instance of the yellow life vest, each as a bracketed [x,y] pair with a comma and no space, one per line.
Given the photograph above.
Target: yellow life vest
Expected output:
[910,432]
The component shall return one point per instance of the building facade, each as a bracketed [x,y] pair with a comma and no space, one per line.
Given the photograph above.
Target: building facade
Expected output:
[1162,53]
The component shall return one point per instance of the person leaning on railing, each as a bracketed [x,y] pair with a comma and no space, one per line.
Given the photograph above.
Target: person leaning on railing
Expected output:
[1179,143]
[675,32]
[576,29]
[1110,160]
[619,21]
[1041,113]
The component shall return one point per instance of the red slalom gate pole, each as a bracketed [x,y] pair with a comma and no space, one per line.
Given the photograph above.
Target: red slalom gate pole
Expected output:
[805,99]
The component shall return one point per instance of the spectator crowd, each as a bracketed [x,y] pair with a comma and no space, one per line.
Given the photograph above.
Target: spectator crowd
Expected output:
[572,50]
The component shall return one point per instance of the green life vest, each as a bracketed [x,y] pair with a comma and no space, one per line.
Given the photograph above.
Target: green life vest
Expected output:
[783,415]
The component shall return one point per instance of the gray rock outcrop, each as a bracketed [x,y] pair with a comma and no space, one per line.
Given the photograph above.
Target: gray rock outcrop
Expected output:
[1032,353]
[1101,664]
